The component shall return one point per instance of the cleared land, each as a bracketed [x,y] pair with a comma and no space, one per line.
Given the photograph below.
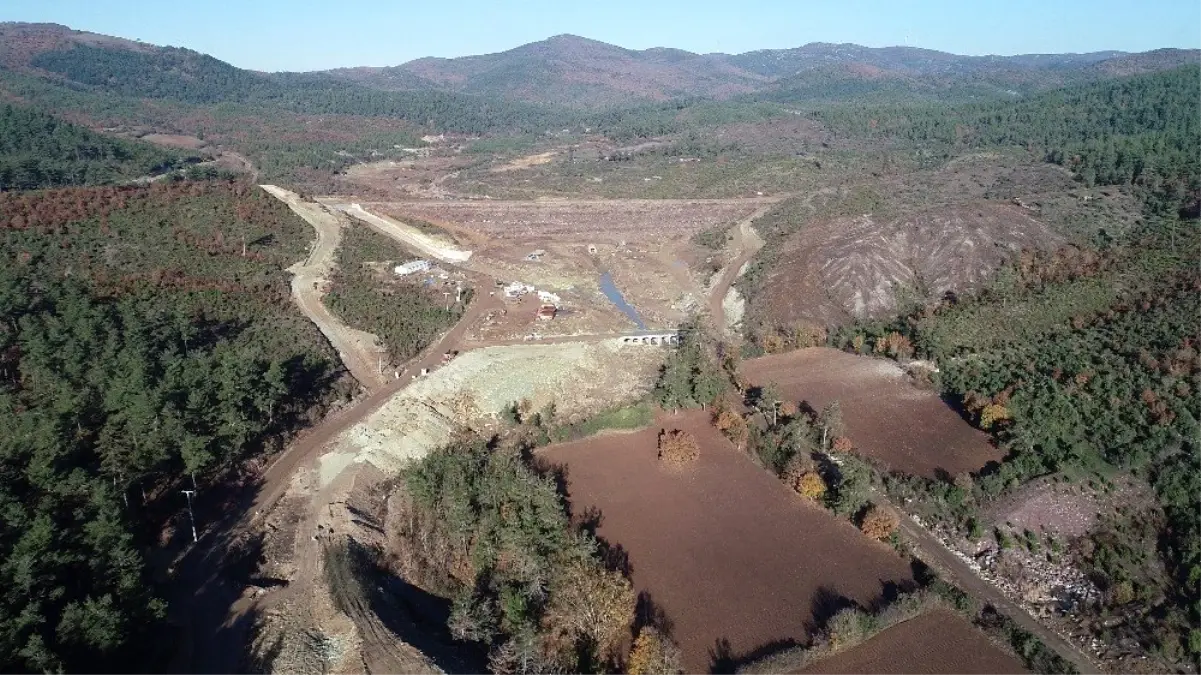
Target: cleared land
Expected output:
[935,642]
[909,429]
[731,556]
[576,377]
[855,266]
[643,244]
[581,219]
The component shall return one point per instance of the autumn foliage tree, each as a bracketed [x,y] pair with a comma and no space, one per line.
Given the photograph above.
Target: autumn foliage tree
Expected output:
[878,523]
[732,425]
[677,447]
[654,654]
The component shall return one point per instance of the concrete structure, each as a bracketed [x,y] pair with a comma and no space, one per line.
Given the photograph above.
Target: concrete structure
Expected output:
[411,267]
[661,339]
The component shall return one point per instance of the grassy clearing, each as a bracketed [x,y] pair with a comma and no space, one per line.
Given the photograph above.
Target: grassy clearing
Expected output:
[623,418]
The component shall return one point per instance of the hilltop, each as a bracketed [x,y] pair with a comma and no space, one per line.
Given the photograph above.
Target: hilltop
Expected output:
[564,70]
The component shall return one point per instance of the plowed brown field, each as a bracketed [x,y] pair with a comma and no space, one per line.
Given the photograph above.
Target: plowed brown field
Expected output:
[907,428]
[935,642]
[734,559]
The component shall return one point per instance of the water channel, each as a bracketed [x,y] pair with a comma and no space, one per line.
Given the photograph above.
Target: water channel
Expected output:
[614,295]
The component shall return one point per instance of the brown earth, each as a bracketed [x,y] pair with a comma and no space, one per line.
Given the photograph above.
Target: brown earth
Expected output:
[939,641]
[579,219]
[175,141]
[419,177]
[732,557]
[642,244]
[888,419]
[850,267]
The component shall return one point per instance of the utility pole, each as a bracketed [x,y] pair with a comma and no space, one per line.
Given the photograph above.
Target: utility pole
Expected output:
[191,515]
[447,294]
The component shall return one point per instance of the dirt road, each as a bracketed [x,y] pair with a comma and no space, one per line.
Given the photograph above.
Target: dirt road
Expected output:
[356,348]
[208,603]
[931,551]
[405,234]
[747,242]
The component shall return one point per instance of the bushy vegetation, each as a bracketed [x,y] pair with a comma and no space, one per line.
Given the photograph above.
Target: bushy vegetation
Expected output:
[40,151]
[678,447]
[654,654]
[1081,365]
[854,625]
[691,376]
[406,315]
[493,534]
[621,418]
[139,348]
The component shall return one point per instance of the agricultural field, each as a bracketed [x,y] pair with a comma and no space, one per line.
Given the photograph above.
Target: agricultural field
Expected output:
[887,418]
[938,641]
[733,559]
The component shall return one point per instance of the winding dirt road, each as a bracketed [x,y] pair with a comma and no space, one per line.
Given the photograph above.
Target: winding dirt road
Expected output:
[356,348]
[209,605]
[747,242]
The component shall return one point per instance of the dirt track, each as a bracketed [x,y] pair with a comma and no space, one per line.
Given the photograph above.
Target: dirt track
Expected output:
[209,604]
[355,347]
[747,243]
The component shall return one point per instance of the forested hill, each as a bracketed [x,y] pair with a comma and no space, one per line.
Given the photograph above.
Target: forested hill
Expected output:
[147,339]
[185,76]
[1142,131]
[37,150]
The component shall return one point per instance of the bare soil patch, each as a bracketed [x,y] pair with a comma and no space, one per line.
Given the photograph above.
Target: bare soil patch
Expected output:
[855,266]
[935,642]
[175,141]
[575,219]
[404,178]
[888,419]
[1062,510]
[525,162]
[563,246]
[732,557]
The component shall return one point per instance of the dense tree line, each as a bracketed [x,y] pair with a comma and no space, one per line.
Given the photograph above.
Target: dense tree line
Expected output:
[38,150]
[692,376]
[146,342]
[492,533]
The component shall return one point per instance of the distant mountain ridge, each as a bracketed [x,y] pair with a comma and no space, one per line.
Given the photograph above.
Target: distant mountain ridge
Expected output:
[572,70]
[567,70]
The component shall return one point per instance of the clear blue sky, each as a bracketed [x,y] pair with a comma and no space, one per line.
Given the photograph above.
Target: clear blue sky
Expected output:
[318,34]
